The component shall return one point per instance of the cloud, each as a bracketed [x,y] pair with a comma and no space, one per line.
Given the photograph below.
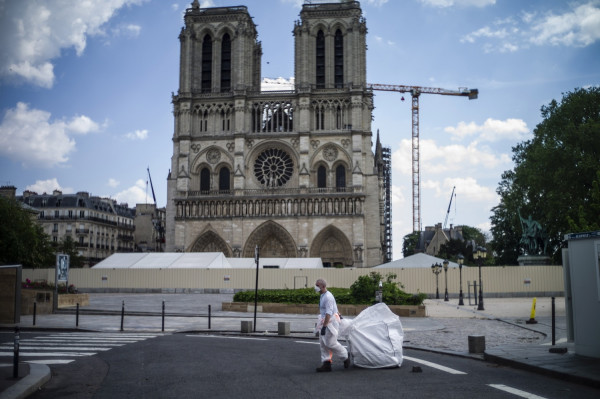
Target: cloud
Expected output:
[30,137]
[135,194]
[577,27]
[34,33]
[48,186]
[436,159]
[137,135]
[461,3]
[491,130]
[113,182]
[128,30]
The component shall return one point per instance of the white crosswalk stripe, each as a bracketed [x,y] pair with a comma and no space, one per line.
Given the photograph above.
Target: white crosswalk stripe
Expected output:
[63,348]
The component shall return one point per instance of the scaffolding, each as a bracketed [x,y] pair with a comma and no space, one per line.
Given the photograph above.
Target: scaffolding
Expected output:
[386,153]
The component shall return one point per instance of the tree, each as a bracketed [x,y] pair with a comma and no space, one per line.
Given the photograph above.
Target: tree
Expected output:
[589,216]
[22,240]
[69,247]
[553,177]
[410,243]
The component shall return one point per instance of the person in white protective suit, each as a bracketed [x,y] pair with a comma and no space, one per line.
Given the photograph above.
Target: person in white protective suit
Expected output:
[328,327]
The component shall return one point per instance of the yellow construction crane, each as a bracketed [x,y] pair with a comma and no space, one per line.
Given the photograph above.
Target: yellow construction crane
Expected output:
[415,92]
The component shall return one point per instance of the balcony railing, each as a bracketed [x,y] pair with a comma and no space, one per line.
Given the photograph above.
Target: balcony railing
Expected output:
[271,192]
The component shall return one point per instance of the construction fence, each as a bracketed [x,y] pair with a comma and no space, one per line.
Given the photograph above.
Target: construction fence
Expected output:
[497,281]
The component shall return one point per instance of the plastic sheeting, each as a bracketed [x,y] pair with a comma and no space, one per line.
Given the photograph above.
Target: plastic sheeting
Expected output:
[375,337]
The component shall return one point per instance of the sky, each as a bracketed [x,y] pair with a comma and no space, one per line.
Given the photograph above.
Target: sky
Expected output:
[85,91]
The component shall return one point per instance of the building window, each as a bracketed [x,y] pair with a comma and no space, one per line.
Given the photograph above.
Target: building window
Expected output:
[56,214]
[320,60]
[321,177]
[339,59]
[205,180]
[226,63]
[206,64]
[273,168]
[340,176]
[224,179]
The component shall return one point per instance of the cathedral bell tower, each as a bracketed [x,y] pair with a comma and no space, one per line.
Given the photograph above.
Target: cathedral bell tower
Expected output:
[292,172]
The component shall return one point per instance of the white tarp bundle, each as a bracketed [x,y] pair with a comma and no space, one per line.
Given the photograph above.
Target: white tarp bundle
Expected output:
[375,337]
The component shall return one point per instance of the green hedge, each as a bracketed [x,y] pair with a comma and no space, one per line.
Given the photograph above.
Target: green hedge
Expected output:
[308,295]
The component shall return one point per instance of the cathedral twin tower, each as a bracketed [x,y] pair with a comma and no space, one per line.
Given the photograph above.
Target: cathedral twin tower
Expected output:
[290,171]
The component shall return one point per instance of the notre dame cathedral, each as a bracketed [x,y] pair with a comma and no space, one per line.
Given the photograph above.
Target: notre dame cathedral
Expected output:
[290,171]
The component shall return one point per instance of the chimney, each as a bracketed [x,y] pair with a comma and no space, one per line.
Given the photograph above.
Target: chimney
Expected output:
[8,191]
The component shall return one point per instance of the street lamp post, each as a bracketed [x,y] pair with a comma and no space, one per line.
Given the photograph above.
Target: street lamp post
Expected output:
[436,268]
[446,275]
[460,261]
[479,256]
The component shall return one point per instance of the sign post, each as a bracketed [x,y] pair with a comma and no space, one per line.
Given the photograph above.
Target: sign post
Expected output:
[61,275]
[256,257]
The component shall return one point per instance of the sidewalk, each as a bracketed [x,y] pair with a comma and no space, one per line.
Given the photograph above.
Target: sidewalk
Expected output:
[509,340]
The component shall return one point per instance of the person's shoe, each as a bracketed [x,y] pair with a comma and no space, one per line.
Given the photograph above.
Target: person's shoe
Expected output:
[347,362]
[326,366]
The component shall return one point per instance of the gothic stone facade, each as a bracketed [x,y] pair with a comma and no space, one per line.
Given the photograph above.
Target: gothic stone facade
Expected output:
[292,172]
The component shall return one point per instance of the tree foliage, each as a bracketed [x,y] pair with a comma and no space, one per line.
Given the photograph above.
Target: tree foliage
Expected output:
[22,240]
[410,243]
[553,178]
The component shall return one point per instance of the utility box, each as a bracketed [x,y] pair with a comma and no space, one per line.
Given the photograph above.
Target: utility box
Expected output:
[583,271]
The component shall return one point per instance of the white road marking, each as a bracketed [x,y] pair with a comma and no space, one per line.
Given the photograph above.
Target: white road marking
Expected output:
[218,336]
[56,348]
[558,341]
[434,365]
[50,361]
[515,391]
[73,344]
[57,354]
[307,342]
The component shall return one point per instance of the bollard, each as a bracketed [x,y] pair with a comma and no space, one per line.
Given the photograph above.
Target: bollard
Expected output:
[553,323]
[476,343]
[209,317]
[532,315]
[77,316]
[283,328]
[163,316]
[16,354]
[34,311]
[122,314]
[246,326]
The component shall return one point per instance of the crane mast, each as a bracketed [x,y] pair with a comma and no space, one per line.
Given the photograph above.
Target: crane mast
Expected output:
[415,92]
[449,206]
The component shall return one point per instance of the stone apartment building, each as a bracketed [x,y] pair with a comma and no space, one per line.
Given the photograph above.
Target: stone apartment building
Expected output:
[99,226]
[292,172]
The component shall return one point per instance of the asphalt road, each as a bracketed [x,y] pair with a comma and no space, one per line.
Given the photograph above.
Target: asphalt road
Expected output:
[126,365]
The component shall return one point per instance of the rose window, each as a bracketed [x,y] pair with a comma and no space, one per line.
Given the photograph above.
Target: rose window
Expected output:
[273,168]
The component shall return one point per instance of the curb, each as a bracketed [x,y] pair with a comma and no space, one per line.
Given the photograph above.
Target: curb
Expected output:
[38,375]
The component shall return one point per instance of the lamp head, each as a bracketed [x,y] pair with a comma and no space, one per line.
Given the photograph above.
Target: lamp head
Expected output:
[446,264]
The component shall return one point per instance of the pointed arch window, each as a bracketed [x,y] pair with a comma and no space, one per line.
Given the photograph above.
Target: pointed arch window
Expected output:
[339,58]
[226,63]
[321,177]
[205,180]
[224,179]
[206,64]
[320,58]
[340,177]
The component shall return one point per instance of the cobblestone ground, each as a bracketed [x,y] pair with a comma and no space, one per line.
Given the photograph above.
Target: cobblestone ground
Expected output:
[454,336]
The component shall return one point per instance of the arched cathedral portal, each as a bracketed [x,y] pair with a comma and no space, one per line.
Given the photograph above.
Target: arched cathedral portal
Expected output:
[332,246]
[273,240]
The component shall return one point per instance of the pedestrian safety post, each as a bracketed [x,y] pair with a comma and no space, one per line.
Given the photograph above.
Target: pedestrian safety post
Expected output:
[77,316]
[163,316]
[209,317]
[34,312]
[122,314]
[16,354]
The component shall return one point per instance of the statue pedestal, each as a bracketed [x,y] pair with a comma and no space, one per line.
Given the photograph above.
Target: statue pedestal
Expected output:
[534,260]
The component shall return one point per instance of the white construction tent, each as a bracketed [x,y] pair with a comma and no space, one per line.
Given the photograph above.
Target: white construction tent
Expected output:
[200,260]
[419,260]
